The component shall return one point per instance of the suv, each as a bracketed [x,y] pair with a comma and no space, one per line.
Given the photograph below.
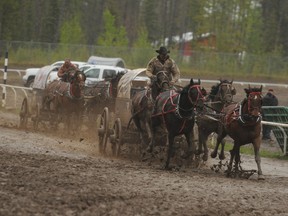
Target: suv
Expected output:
[30,73]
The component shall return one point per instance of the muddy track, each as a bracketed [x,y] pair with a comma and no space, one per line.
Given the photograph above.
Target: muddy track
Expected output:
[45,174]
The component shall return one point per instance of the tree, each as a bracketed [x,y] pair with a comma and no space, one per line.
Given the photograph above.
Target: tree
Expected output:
[71,32]
[112,36]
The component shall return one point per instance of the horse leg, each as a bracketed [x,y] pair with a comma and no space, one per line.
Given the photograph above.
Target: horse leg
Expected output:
[203,137]
[170,150]
[220,137]
[191,145]
[232,155]
[222,155]
[141,132]
[256,144]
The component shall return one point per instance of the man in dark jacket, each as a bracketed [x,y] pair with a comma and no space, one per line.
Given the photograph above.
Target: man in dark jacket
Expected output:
[268,100]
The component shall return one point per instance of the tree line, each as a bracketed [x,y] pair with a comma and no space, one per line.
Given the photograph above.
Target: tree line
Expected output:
[256,26]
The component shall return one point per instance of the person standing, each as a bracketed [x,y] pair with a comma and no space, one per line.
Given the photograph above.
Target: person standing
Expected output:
[268,100]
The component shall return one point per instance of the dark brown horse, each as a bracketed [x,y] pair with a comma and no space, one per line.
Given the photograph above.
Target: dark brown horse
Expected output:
[176,112]
[143,103]
[100,95]
[242,122]
[65,99]
[220,95]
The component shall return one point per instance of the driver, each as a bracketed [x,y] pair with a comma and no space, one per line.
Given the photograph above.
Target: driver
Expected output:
[163,62]
[64,70]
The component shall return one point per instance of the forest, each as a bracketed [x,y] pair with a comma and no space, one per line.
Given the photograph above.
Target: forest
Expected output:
[230,27]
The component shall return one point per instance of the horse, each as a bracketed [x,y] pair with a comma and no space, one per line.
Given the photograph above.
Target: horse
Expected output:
[220,95]
[100,95]
[176,112]
[143,102]
[242,122]
[66,98]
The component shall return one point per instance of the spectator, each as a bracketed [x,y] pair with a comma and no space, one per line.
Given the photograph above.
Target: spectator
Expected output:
[268,100]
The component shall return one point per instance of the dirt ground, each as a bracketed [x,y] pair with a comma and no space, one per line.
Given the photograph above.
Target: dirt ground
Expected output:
[46,174]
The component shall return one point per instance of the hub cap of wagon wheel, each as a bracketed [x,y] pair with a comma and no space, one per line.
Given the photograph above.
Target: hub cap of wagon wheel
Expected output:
[116,138]
[103,130]
[24,114]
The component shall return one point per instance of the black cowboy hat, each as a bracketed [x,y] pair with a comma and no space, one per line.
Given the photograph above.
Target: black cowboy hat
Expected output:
[163,50]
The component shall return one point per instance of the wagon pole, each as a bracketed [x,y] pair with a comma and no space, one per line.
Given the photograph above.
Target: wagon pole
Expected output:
[4,80]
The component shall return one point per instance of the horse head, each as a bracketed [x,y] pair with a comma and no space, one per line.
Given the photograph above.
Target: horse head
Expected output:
[225,91]
[195,93]
[253,101]
[160,84]
[78,78]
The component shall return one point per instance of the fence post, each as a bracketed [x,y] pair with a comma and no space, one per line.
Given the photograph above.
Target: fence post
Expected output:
[4,80]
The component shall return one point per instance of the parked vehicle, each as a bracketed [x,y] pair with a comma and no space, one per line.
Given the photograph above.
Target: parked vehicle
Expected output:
[30,73]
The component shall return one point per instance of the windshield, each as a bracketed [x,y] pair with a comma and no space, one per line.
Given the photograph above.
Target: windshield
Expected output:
[93,73]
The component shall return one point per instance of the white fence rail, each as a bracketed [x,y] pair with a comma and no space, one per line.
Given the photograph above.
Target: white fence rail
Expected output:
[19,71]
[15,90]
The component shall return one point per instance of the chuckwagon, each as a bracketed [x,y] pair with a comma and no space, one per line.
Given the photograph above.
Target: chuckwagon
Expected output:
[54,101]
[31,107]
[113,129]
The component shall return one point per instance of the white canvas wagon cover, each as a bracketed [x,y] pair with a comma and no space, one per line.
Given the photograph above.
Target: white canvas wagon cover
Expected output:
[125,83]
[41,77]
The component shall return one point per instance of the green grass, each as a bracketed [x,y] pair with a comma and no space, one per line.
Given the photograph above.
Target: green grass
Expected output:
[248,150]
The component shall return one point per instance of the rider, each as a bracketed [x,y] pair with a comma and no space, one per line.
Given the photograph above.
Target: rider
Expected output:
[64,70]
[163,62]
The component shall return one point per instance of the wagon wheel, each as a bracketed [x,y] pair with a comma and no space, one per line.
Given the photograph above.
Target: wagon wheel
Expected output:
[37,116]
[24,114]
[116,138]
[103,130]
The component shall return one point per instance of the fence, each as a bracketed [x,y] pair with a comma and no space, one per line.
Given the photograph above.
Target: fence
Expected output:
[39,54]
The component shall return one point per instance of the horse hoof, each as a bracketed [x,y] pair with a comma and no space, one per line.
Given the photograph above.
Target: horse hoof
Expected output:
[213,155]
[205,157]
[221,157]
[261,177]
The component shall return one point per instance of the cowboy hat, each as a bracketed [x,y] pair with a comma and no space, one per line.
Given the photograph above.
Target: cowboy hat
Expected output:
[162,50]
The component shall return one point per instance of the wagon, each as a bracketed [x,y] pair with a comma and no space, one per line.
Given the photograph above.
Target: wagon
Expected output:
[114,128]
[32,107]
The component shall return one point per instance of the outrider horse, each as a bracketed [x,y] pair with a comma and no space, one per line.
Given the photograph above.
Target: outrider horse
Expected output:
[143,102]
[242,122]
[176,112]
[220,95]
[66,99]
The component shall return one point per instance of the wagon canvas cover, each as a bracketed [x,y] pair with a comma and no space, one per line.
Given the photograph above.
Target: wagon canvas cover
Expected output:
[125,83]
[41,77]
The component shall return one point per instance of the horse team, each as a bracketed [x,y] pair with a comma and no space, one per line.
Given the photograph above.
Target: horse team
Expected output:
[177,110]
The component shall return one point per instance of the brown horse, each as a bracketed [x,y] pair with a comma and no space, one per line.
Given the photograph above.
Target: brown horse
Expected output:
[242,122]
[65,99]
[220,95]
[176,112]
[143,102]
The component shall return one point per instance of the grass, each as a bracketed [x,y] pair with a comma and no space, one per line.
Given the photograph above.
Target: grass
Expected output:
[248,150]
